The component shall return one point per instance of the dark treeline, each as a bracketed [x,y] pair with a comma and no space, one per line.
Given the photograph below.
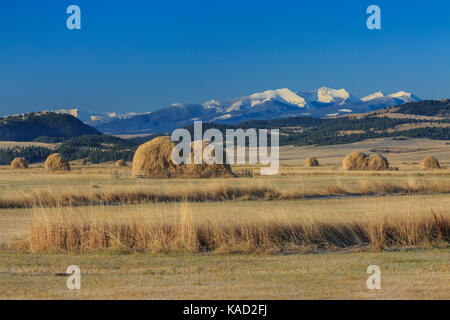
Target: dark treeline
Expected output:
[93,148]
[31,154]
[427,108]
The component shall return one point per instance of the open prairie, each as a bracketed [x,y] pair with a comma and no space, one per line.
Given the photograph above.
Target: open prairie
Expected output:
[306,233]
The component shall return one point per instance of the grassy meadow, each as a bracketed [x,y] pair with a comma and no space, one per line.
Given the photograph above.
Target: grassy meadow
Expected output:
[306,233]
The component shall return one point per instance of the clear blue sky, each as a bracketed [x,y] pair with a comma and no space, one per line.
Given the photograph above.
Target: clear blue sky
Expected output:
[144,55]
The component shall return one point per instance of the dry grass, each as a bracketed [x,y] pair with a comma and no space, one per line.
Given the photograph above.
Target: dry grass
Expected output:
[143,229]
[406,274]
[216,191]
[17,144]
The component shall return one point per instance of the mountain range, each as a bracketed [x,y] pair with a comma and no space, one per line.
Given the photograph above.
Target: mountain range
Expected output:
[270,104]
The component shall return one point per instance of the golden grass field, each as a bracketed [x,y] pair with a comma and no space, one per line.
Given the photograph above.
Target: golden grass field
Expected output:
[306,233]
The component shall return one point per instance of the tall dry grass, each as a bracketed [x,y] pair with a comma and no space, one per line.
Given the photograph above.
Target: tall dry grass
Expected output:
[179,229]
[218,191]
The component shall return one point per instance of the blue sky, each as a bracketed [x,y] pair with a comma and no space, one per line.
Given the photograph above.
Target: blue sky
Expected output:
[144,55]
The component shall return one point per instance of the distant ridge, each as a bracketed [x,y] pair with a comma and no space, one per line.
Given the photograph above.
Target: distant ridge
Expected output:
[29,126]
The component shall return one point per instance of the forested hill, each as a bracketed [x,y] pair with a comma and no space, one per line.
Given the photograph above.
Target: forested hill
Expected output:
[434,108]
[28,127]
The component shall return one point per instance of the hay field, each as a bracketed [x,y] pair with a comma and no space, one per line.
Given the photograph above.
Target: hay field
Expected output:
[15,144]
[405,154]
[306,233]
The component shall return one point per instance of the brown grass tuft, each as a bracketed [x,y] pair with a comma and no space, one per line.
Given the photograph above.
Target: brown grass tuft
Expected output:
[96,229]
[213,192]
[121,163]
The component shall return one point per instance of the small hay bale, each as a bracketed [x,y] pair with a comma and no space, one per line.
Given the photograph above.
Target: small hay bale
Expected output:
[430,163]
[19,163]
[377,163]
[154,159]
[55,162]
[311,162]
[121,163]
[361,161]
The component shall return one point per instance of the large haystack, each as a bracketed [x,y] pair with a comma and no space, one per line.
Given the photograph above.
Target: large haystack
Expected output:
[55,162]
[121,163]
[361,161]
[19,163]
[154,159]
[311,162]
[430,163]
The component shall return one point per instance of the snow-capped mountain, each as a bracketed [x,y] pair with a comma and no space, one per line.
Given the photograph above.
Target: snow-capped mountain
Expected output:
[281,95]
[327,96]
[94,118]
[401,96]
[376,95]
[270,104]
[404,96]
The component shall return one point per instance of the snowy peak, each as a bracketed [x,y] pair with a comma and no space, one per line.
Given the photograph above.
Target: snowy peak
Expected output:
[281,95]
[284,96]
[91,118]
[400,94]
[328,95]
[212,104]
[404,96]
[376,95]
[325,95]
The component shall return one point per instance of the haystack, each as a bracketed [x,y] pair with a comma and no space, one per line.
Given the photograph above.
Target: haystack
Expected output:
[121,163]
[19,163]
[430,163]
[361,161]
[377,163]
[55,162]
[154,159]
[311,162]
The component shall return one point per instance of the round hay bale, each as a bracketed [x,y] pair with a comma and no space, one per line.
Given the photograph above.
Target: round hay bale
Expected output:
[19,163]
[55,162]
[377,163]
[121,163]
[355,161]
[361,161]
[430,163]
[311,162]
[207,170]
[154,159]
